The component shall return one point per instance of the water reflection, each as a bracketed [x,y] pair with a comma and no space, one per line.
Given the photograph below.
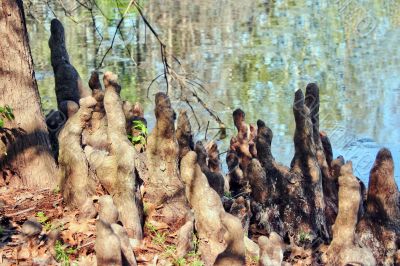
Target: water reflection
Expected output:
[253,55]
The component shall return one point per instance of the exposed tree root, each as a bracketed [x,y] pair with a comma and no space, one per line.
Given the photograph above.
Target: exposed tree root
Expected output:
[379,228]
[315,211]
[220,233]
[343,249]
[77,184]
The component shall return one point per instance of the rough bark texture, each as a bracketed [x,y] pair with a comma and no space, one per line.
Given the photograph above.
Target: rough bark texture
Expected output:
[291,202]
[297,204]
[95,133]
[343,249]
[312,102]
[128,258]
[77,184]
[108,245]
[243,142]
[379,229]
[116,169]
[323,154]
[185,141]
[112,242]
[279,194]
[215,179]
[69,85]
[383,193]
[307,159]
[235,176]
[184,134]
[55,120]
[164,187]
[185,239]
[110,154]
[107,210]
[271,250]
[242,149]
[29,158]
[220,234]
[214,162]
[241,209]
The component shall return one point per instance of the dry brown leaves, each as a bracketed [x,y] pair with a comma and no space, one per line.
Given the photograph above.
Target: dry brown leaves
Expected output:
[59,227]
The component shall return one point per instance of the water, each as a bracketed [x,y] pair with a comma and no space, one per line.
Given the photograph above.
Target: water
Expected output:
[252,55]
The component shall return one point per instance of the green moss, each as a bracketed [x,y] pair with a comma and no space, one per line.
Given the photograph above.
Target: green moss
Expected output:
[63,252]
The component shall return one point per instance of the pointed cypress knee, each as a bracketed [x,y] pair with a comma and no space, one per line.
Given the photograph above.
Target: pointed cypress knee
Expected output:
[164,190]
[216,180]
[383,193]
[184,134]
[344,249]
[95,132]
[305,162]
[379,228]
[68,84]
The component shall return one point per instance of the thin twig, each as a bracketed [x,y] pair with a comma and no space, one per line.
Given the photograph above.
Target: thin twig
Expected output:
[87,244]
[82,4]
[21,212]
[199,85]
[151,83]
[98,32]
[208,109]
[205,134]
[101,11]
[223,152]
[219,128]
[241,194]
[162,45]
[51,9]
[123,38]
[186,85]
[115,33]
[191,108]
[67,13]
[90,9]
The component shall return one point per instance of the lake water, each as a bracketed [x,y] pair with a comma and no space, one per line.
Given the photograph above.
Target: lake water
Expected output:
[247,54]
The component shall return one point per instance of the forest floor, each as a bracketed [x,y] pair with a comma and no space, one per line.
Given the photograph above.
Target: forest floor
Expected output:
[36,229]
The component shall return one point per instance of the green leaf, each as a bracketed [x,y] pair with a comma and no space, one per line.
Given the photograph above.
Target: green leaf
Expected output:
[42,218]
[6,112]
[1,123]
[138,140]
[9,113]
[139,125]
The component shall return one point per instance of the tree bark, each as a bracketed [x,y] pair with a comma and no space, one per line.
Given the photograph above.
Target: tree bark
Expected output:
[221,237]
[343,249]
[379,228]
[164,187]
[28,153]
[115,169]
[296,194]
[76,182]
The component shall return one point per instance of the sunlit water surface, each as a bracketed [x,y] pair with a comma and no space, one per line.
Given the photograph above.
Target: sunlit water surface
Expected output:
[252,55]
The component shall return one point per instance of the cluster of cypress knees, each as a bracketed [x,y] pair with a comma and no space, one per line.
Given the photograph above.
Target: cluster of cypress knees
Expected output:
[316,203]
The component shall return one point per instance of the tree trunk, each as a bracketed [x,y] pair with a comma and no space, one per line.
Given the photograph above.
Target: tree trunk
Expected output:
[28,151]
